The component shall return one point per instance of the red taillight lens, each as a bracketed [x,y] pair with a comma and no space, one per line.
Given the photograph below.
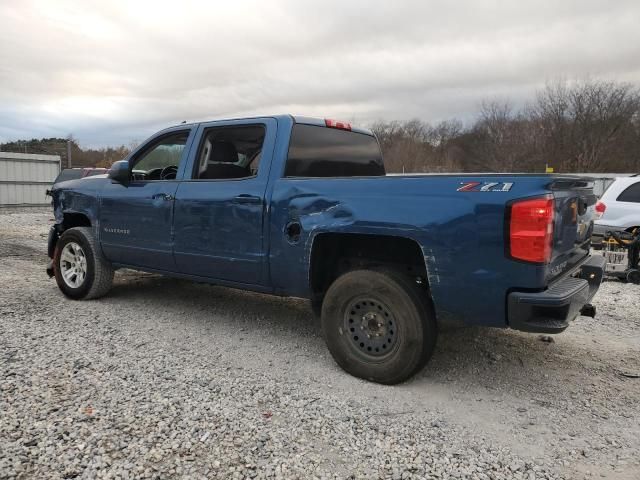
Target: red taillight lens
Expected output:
[600,209]
[531,229]
[337,124]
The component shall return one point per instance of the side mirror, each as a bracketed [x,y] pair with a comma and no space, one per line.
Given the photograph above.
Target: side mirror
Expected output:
[119,172]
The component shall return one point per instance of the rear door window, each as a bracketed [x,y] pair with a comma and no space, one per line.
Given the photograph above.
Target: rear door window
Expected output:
[230,152]
[630,194]
[316,151]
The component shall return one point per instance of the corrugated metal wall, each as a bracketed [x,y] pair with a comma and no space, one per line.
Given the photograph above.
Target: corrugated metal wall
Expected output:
[25,177]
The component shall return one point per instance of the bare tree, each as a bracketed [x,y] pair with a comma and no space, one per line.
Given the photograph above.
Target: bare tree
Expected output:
[499,140]
[587,126]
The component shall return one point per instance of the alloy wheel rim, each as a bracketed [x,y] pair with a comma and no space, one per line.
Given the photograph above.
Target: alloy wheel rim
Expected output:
[73,265]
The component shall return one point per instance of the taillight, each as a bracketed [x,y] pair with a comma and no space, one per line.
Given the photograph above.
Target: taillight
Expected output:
[600,209]
[531,229]
[337,124]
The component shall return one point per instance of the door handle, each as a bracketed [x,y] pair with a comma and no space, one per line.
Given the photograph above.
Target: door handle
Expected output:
[163,196]
[245,198]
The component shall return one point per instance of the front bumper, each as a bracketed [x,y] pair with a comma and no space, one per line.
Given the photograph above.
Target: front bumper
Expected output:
[552,310]
[54,234]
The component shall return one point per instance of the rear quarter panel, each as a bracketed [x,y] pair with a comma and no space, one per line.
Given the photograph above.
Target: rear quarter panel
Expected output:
[461,234]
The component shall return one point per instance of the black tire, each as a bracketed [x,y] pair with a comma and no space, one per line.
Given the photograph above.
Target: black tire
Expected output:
[633,276]
[98,271]
[363,302]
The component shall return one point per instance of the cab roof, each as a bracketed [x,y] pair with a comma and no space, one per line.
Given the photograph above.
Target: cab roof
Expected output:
[320,122]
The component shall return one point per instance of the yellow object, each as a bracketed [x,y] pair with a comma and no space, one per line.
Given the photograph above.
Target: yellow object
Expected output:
[612,241]
[549,170]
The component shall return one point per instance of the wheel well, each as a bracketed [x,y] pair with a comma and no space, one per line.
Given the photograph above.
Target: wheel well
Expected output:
[75,220]
[336,253]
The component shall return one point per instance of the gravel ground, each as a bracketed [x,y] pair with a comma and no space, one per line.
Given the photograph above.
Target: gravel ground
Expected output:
[169,379]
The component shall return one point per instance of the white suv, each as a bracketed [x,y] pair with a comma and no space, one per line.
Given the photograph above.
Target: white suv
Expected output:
[619,207]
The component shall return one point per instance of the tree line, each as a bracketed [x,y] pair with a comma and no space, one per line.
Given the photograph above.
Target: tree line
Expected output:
[583,126]
[80,157]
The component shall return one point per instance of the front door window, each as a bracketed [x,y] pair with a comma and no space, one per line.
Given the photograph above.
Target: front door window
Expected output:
[161,160]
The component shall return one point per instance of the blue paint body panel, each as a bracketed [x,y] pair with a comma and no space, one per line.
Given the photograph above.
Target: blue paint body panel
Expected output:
[232,232]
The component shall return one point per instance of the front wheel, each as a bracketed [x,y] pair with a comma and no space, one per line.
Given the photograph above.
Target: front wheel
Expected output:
[379,325]
[80,269]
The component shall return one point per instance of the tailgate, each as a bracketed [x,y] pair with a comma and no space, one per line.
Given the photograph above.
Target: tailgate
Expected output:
[573,225]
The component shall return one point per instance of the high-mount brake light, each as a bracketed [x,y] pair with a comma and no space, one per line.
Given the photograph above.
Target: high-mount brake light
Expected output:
[337,124]
[600,209]
[531,229]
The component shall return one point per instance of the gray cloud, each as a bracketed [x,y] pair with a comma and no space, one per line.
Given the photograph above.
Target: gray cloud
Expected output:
[114,72]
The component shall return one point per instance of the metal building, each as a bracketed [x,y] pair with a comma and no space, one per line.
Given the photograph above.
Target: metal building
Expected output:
[25,177]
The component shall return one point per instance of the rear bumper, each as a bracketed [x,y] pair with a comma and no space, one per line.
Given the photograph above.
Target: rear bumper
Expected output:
[600,230]
[552,310]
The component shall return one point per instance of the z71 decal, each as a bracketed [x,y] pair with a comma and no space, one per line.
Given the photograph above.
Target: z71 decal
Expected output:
[485,186]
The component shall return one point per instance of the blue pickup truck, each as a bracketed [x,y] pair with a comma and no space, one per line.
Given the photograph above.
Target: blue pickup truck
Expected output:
[303,207]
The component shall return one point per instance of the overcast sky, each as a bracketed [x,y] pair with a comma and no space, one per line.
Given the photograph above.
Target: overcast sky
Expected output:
[112,72]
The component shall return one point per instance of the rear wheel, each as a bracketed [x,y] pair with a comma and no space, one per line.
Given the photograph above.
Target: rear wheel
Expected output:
[80,269]
[379,325]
